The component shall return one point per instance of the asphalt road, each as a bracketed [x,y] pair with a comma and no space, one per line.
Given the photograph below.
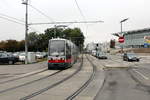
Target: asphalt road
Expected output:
[119,85]
[131,82]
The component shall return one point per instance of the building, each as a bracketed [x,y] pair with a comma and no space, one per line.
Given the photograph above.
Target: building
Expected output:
[136,38]
[101,47]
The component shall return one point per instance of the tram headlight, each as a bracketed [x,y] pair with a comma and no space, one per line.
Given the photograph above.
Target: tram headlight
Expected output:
[62,58]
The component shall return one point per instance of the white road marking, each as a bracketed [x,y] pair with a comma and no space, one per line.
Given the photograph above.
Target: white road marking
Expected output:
[145,77]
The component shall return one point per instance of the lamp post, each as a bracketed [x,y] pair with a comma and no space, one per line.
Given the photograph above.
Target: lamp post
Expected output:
[25,2]
[121,31]
[121,24]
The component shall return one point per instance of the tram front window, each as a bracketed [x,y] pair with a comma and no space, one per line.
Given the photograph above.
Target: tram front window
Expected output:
[57,48]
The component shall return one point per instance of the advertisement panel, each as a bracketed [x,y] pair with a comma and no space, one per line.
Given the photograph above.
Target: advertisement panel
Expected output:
[146,41]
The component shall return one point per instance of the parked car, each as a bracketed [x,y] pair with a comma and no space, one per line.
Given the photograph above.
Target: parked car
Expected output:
[16,54]
[39,55]
[130,57]
[22,57]
[101,55]
[45,54]
[8,58]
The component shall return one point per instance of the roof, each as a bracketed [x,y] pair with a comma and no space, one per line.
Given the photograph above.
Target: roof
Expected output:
[132,31]
[58,39]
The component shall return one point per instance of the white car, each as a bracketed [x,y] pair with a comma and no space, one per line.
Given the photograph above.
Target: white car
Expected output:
[22,57]
[39,55]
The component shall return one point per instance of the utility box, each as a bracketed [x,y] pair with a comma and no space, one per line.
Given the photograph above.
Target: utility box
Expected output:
[31,57]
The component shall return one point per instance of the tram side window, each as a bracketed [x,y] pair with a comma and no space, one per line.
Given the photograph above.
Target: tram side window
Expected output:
[68,51]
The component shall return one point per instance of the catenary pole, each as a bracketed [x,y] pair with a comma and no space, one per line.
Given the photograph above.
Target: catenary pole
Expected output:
[26,31]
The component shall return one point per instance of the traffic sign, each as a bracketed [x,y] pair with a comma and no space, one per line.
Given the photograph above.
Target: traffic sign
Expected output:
[121,39]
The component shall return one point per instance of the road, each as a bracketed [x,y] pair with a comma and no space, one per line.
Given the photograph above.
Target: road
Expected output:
[92,79]
[126,83]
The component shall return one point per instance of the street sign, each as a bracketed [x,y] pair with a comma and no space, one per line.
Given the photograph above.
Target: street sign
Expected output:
[121,39]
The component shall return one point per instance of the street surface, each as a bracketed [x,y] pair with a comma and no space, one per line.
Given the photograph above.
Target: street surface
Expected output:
[94,79]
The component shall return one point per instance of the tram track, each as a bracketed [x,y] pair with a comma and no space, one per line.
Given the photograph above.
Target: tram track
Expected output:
[85,84]
[23,76]
[54,84]
[30,82]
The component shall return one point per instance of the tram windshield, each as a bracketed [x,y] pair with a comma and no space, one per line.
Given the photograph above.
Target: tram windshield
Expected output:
[57,48]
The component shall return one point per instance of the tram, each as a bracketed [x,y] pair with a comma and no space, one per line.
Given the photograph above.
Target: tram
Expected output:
[62,53]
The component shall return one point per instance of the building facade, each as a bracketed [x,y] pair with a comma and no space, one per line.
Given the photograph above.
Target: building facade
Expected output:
[137,38]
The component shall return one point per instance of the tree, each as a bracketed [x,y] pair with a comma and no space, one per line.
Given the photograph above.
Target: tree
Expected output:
[42,42]
[21,45]
[33,39]
[75,35]
[39,42]
[11,45]
[54,32]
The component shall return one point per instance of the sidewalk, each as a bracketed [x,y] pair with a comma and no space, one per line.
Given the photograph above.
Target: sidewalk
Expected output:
[143,54]
[118,65]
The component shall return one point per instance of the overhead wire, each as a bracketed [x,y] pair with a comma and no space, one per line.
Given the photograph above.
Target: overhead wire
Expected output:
[11,17]
[11,20]
[81,13]
[15,20]
[41,12]
[21,22]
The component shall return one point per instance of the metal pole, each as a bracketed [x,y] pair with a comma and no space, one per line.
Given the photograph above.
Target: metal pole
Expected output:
[121,28]
[121,35]
[121,31]
[26,32]
[55,31]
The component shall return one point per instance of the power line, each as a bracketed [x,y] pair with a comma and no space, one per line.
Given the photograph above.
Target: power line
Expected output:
[79,9]
[81,13]
[11,17]
[41,12]
[67,22]
[11,20]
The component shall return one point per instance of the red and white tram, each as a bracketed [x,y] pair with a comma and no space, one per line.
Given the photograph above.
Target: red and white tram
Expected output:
[62,53]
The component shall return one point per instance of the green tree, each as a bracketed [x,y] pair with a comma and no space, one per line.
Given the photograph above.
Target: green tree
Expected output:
[75,35]
[21,45]
[11,45]
[2,45]
[33,39]
[42,42]
[39,42]
[54,32]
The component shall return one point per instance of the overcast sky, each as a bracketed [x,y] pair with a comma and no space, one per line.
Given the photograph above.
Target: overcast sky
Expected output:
[109,11]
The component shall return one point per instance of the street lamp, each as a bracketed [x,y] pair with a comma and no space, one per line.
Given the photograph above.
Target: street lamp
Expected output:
[121,24]
[121,31]
[25,2]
